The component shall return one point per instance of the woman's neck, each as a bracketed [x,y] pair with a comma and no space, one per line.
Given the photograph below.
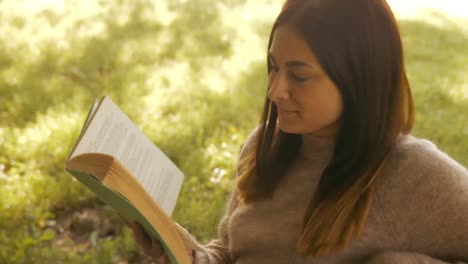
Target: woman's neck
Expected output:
[314,147]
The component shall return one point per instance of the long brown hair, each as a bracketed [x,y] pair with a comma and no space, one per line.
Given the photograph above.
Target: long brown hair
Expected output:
[358,45]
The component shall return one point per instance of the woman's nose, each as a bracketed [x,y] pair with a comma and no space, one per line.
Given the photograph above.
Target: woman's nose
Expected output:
[278,89]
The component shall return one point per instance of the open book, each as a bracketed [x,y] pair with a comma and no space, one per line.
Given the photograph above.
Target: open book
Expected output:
[115,160]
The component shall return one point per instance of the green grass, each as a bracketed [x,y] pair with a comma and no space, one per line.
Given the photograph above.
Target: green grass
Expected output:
[193,83]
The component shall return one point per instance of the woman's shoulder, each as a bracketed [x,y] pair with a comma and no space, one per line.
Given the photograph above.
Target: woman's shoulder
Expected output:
[419,161]
[411,152]
[411,148]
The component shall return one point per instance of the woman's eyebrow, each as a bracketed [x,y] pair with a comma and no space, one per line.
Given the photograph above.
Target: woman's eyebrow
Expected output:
[293,63]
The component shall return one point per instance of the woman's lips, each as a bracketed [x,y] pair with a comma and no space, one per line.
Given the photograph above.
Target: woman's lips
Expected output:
[286,113]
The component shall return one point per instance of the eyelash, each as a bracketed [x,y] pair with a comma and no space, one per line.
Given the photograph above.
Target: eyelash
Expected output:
[291,75]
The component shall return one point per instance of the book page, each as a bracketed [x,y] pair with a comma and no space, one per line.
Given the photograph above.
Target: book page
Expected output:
[111,132]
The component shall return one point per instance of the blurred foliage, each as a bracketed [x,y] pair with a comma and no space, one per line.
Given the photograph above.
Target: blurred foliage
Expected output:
[191,74]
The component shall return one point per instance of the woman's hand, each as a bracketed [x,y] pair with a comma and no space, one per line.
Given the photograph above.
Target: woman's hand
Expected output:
[152,248]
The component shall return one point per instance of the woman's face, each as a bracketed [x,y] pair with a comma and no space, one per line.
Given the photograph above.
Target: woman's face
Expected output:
[308,101]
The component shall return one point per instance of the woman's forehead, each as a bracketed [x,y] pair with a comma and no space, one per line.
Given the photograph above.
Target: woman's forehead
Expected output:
[287,44]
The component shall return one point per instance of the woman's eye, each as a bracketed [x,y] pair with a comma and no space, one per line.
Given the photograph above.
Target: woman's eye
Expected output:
[274,68]
[297,78]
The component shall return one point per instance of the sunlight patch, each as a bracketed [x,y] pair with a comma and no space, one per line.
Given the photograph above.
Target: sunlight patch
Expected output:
[452,8]
[459,93]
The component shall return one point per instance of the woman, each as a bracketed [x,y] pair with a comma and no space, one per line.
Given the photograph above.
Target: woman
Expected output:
[332,174]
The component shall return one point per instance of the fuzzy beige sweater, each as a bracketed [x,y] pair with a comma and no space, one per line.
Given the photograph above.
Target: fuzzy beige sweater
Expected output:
[418,214]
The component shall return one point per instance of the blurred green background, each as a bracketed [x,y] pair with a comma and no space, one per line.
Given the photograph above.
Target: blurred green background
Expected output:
[192,76]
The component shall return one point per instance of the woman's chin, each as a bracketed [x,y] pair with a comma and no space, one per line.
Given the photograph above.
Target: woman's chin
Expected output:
[288,128]
[295,129]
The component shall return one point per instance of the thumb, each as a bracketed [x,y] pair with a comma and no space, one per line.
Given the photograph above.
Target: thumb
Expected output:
[189,241]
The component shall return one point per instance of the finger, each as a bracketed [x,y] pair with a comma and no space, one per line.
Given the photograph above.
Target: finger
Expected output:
[140,236]
[157,250]
[163,259]
[192,255]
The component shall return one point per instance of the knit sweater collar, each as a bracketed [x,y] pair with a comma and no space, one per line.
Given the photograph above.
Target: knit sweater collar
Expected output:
[316,147]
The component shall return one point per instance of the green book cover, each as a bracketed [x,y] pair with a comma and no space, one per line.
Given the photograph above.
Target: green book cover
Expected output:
[121,205]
